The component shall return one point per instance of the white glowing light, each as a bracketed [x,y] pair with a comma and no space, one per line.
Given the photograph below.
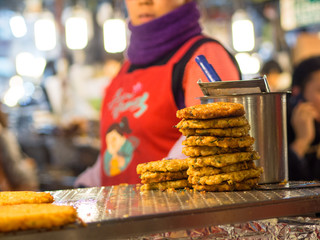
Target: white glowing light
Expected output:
[29,88]
[10,99]
[243,37]
[15,81]
[29,65]
[15,92]
[249,64]
[114,35]
[45,34]
[288,18]
[18,26]
[76,32]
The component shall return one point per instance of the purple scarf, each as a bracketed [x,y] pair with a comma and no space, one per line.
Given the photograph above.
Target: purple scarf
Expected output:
[154,39]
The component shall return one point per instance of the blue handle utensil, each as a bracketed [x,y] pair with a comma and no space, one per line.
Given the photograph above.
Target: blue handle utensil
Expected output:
[207,68]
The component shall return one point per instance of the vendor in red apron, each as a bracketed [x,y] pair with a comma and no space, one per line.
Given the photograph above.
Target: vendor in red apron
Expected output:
[158,77]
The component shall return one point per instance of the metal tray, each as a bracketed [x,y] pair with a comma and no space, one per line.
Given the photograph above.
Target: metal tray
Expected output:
[124,211]
[225,88]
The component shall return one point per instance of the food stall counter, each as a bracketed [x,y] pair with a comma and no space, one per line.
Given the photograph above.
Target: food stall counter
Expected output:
[124,211]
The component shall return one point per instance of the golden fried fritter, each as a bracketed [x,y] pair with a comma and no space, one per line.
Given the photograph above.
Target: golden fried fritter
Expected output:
[231,177]
[164,165]
[218,132]
[247,184]
[208,171]
[150,177]
[176,184]
[226,142]
[35,216]
[212,110]
[213,123]
[196,151]
[21,197]
[222,160]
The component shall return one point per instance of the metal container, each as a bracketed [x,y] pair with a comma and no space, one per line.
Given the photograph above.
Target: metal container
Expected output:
[266,113]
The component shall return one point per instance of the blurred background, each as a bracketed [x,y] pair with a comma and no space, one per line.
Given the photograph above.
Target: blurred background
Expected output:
[57,56]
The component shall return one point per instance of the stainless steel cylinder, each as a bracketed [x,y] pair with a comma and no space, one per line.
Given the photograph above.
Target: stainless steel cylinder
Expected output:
[267,116]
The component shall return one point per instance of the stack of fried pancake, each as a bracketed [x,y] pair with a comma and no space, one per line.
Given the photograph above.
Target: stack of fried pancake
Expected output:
[164,174]
[219,147]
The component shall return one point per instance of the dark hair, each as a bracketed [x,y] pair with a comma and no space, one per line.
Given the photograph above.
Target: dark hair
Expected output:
[121,128]
[302,72]
[271,66]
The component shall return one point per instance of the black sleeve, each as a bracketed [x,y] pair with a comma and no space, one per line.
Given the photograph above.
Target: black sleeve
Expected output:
[298,167]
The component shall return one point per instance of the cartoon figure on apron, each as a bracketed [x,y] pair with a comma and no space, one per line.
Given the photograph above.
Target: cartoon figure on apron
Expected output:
[119,150]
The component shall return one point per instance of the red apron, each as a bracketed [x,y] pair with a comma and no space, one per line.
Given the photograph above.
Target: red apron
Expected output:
[137,119]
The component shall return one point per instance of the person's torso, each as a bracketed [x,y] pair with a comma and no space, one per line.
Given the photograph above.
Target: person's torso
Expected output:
[138,118]
[312,156]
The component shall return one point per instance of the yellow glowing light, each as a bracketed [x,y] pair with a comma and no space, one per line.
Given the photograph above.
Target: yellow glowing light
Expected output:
[18,26]
[76,32]
[45,34]
[114,35]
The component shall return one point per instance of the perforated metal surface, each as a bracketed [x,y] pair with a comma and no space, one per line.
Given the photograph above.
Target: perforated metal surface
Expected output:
[122,211]
[110,203]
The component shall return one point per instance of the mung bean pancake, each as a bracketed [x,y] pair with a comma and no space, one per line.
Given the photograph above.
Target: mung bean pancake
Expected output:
[177,184]
[247,184]
[223,160]
[226,142]
[22,197]
[231,177]
[208,171]
[164,165]
[150,177]
[196,151]
[218,132]
[228,122]
[212,110]
[35,216]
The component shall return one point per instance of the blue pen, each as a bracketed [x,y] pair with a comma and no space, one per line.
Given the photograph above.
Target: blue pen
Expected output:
[207,68]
